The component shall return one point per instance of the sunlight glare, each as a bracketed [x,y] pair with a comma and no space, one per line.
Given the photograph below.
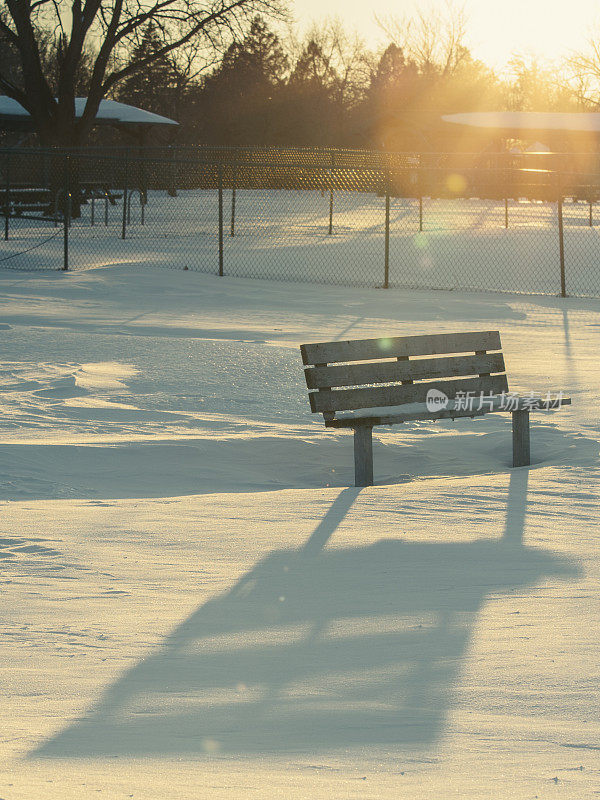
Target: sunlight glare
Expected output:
[495,31]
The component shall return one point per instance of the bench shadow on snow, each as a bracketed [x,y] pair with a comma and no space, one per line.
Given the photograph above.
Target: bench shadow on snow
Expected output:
[316,649]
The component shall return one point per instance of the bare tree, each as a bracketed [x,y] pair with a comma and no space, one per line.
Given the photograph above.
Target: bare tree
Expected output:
[538,86]
[110,29]
[352,62]
[434,38]
[583,74]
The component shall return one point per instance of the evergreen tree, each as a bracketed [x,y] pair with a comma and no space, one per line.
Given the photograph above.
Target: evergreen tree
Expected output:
[152,87]
[240,98]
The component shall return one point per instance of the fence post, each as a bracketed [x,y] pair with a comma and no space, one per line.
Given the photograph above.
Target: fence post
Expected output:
[386,273]
[125,192]
[45,177]
[172,192]
[331,195]
[7,198]
[505,191]
[232,231]
[220,220]
[143,180]
[420,188]
[66,214]
[561,242]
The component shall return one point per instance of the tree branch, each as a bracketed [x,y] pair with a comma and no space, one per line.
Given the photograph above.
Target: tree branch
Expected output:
[13,91]
[216,16]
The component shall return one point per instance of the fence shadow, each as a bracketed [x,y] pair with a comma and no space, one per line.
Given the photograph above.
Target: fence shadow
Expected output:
[317,648]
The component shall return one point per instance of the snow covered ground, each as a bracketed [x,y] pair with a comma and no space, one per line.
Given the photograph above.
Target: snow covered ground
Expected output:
[196,604]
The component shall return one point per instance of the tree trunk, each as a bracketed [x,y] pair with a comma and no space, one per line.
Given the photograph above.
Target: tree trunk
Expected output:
[65,137]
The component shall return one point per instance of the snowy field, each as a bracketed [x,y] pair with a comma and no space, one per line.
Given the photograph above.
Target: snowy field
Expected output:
[196,605]
[283,235]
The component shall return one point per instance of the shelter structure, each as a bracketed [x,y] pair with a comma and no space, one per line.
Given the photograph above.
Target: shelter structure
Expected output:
[518,123]
[134,122]
[535,154]
[561,132]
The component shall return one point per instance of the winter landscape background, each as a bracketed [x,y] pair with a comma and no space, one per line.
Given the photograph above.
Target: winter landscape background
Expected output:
[197,604]
[196,600]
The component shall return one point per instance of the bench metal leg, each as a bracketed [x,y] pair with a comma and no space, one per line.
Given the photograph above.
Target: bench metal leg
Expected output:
[520,437]
[363,455]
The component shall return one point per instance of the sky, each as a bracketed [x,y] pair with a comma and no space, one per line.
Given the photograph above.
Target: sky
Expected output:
[496,28]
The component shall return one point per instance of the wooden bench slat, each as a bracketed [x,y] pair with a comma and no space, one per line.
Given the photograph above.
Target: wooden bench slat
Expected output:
[397,371]
[523,404]
[350,399]
[427,345]
[397,419]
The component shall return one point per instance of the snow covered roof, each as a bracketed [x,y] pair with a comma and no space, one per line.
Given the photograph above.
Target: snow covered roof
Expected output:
[538,147]
[109,112]
[528,121]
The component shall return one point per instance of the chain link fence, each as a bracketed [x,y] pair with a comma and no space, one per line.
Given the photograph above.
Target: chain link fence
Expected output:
[337,217]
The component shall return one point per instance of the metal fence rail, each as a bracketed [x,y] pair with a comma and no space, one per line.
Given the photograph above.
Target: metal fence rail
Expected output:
[339,217]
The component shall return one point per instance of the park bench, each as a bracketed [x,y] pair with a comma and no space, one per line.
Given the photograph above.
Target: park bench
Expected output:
[366,382]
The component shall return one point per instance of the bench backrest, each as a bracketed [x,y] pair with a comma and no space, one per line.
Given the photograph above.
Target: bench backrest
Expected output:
[369,373]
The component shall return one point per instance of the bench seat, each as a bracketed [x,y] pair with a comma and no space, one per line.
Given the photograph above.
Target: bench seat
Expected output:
[416,412]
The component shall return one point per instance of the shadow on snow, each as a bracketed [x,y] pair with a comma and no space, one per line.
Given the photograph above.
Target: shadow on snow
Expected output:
[317,649]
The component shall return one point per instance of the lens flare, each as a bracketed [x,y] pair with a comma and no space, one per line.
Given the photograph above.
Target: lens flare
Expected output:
[456,183]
